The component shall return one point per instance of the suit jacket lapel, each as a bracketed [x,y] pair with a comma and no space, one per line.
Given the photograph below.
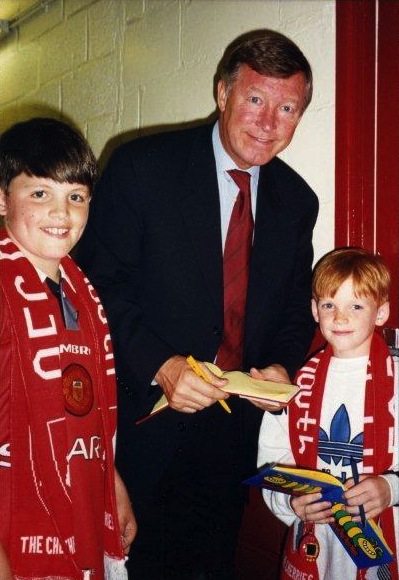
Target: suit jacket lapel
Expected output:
[267,251]
[200,208]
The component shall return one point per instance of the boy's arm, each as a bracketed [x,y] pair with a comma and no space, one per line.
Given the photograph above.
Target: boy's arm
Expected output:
[5,569]
[127,521]
[392,477]
[273,447]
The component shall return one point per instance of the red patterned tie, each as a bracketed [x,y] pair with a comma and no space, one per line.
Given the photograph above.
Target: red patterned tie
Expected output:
[236,256]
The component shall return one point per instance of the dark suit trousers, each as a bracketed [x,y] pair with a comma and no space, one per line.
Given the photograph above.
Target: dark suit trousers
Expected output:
[189,512]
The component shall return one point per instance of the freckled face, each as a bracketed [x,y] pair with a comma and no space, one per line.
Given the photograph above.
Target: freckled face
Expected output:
[44,218]
[347,322]
[259,115]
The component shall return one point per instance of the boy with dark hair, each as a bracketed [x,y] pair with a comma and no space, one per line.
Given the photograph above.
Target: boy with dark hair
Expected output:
[347,412]
[65,512]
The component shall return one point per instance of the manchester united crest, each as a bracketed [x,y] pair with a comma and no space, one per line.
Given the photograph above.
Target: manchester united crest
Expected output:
[78,390]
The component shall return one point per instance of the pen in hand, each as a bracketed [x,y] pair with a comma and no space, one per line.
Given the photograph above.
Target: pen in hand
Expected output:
[200,373]
[355,475]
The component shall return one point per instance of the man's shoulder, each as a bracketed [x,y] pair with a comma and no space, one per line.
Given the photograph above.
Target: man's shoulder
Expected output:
[167,141]
[282,170]
[289,184]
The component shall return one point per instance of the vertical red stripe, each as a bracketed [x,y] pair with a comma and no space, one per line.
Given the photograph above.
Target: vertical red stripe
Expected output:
[367,130]
[387,214]
[355,57]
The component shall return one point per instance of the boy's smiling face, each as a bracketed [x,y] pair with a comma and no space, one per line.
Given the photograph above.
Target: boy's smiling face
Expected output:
[347,322]
[45,218]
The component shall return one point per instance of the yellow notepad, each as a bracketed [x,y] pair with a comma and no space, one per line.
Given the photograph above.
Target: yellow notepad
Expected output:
[242,384]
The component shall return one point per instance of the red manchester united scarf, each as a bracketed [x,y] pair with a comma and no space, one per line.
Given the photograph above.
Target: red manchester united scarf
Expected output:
[304,420]
[54,402]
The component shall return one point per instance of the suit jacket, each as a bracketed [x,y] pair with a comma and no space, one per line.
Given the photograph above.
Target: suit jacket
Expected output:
[153,250]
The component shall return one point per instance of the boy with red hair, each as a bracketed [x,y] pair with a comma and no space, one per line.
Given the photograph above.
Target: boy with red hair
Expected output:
[347,412]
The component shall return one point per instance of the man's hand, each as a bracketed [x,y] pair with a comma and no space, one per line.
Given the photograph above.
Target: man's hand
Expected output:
[275,373]
[185,391]
[372,492]
[127,521]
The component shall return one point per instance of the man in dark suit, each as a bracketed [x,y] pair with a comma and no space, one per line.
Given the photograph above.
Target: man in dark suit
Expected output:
[154,250]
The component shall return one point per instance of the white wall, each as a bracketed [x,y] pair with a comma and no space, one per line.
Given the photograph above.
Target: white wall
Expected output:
[121,67]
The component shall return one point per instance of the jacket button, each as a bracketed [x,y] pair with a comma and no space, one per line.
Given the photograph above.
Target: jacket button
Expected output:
[217,331]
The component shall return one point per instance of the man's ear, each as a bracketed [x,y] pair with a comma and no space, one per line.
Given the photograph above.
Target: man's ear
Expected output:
[314,310]
[382,314]
[3,205]
[222,95]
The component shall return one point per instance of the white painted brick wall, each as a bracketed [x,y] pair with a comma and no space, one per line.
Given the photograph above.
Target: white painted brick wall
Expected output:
[118,68]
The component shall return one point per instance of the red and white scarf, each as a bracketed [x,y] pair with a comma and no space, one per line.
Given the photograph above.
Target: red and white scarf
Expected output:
[47,413]
[378,446]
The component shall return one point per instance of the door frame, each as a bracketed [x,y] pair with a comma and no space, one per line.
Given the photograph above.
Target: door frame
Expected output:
[367,131]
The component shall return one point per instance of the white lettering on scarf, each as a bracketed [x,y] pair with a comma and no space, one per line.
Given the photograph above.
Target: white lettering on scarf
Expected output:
[109,354]
[305,382]
[75,349]
[30,296]
[38,332]
[45,353]
[109,357]
[109,521]
[13,256]
[5,455]
[45,545]
[391,407]
[88,450]
[100,309]
[293,572]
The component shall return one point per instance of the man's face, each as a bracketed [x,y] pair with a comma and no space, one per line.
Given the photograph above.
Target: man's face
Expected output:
[259,115]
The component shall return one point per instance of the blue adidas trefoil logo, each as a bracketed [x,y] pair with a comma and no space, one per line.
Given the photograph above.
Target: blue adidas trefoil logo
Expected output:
[339,446]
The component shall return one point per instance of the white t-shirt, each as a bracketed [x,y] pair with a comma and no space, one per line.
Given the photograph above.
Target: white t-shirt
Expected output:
[340,437]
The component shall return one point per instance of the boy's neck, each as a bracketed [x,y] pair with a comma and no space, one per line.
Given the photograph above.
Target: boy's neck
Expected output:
[56,278]
[343,357]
